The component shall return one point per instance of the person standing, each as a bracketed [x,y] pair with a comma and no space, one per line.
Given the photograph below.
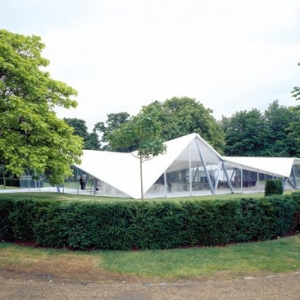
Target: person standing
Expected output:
[81,181]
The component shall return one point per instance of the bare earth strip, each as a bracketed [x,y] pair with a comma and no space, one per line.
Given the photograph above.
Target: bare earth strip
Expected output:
[279,286]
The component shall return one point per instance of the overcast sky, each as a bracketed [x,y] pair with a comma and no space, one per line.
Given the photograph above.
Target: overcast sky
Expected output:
[120,55]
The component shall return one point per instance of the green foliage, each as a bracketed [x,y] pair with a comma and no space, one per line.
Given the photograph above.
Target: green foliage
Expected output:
[148,224]
[143,134]
[243,133]
[273,187]
[49,225]
[23,219]
[114,121]
[91,141]
[296,90]
[31,136]
[272,133]
[181,116]
[78,125]
[8,179]
[6,228]
[294,129]
[278,137]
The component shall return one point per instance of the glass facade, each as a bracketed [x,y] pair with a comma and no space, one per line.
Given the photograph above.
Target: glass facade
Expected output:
[197,172]
[83,183]
[194,169]
[297,175]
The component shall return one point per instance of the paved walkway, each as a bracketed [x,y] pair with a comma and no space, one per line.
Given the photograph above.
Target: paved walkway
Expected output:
[281,286]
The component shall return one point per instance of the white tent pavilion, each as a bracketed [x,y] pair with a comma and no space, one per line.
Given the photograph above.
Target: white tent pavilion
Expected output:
[190,167]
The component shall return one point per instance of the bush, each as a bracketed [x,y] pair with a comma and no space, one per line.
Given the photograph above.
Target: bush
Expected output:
[147,224]
[273,187]
[6,208]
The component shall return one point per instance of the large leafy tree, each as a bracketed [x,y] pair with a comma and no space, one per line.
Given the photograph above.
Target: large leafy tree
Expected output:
[181,116]
[295,124]
[294,130]
[243,133]
[252,133]
[91,141]
[114,121]
[31,136]
[143,134]
[278,134]
[79,126]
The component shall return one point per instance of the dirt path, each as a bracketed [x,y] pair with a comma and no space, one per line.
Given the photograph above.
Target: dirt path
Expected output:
[280,286]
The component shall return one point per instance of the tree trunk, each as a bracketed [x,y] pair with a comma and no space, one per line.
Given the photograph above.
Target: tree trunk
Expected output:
[4,179]
[141,177]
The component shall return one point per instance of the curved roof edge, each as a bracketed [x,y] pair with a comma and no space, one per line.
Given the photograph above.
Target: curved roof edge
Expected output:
[279,166]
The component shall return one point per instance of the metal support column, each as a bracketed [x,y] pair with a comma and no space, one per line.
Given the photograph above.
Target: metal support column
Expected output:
[294,176]
[77,180]
[290,182]
[242,179]
[227,177]
[205,169]
[165,183]
[190,170]
[217,176]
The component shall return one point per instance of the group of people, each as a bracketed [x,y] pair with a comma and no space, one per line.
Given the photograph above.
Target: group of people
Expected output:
[82,184]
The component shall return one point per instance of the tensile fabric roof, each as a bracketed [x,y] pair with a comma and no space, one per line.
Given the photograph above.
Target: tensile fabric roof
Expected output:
[122,170]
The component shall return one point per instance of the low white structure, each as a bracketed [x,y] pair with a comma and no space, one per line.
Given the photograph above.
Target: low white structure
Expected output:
[189,167]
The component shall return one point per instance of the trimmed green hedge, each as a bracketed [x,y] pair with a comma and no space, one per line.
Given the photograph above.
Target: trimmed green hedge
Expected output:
[273,187]
[147,224]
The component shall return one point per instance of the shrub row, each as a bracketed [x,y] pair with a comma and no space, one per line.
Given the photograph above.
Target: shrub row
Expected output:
[147,224]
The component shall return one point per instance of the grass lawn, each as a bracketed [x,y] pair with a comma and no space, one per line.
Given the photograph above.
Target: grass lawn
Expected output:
[2,187]
[282,255]
[258,258]
[73,197]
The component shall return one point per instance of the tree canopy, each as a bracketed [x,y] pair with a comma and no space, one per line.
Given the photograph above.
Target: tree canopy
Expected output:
[243,133]
[182,116]
[252,133]
[31,136]
[90,140]
[143,134]
[114,121]
[278,134]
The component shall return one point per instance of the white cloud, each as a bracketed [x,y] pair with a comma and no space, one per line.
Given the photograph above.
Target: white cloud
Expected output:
[230,55]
